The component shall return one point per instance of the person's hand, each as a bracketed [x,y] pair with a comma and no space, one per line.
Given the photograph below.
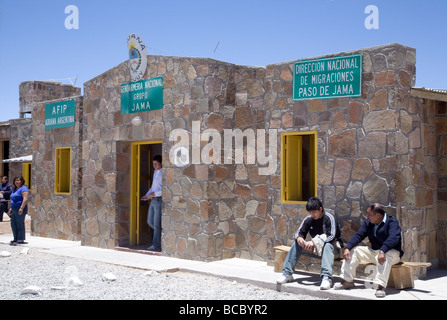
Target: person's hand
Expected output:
[20,211]
[10,212]
[309,246]
[381,258]
[301,242]
[347,254]
[145,198]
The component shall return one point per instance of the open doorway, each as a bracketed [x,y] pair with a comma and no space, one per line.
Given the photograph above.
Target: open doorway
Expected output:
[141,179]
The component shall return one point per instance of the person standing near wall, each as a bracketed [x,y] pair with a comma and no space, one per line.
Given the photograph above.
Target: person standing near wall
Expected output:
[18,211]
[5,192]
[154,213]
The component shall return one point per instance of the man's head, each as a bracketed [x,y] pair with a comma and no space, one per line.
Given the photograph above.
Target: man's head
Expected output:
[375,213]
[315,208]
[156,162]
[5,179]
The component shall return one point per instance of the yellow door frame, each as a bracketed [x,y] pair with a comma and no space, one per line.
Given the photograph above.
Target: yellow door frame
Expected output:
[291,164]
[135,192]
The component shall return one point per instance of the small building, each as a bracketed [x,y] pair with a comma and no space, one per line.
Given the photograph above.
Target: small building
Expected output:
[243,149]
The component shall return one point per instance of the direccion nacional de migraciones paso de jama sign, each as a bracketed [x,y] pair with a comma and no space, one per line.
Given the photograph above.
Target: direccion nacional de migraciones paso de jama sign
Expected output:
[328,78]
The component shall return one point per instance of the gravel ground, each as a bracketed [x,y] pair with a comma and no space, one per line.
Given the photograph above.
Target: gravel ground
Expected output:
[57,277]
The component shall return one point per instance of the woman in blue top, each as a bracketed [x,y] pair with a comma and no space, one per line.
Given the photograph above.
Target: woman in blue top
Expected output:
[19,209]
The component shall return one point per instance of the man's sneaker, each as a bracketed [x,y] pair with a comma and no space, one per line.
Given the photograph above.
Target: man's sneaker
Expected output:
[284,279]
[380,292]
[343,285]
[326,283]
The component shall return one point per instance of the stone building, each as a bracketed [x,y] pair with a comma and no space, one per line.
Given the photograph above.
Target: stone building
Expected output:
[386,145]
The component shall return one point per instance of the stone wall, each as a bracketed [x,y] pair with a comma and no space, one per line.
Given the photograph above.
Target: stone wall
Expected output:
[31,92]
[375,148]
[106,156]
[207,210]
[441,148]
[55,215]
[20,144]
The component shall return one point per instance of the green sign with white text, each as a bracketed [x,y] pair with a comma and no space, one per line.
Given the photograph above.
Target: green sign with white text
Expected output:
[143,95]
[328,78]
[60,114]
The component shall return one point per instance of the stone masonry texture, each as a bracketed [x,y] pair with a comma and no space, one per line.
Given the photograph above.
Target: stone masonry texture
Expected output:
[386,146]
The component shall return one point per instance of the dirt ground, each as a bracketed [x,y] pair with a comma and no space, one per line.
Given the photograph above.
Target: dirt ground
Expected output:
[5,226]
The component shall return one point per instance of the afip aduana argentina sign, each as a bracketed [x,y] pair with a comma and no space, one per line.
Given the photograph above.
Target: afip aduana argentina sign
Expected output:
[328,78]
[144,95]
[137,56]
[60,114]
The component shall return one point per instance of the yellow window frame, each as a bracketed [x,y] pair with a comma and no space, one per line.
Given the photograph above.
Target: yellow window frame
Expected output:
[292,166]
[62,181]
[26,173]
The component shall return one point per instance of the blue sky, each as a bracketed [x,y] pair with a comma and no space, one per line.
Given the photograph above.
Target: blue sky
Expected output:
[35,45]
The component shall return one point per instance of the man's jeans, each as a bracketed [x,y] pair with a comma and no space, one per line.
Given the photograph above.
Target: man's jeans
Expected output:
[154,221]
[327,259]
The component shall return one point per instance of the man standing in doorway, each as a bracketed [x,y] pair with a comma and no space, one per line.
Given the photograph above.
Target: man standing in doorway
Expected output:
[154,213]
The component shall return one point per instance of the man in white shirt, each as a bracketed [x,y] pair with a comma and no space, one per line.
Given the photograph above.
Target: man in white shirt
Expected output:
[154,213]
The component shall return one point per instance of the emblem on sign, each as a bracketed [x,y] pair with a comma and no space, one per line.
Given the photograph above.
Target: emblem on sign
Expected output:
[137,56]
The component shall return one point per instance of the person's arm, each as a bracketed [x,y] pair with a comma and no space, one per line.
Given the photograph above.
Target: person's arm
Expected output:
[301,235]
[394,232]
[331,224]
[8,191]
[24,202]
[355,240]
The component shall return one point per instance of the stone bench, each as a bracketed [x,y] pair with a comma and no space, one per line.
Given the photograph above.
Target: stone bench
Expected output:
[401,276]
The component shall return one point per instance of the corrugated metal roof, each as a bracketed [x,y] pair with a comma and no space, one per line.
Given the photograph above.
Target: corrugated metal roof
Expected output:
[19,159]
[432,94]
[444,91]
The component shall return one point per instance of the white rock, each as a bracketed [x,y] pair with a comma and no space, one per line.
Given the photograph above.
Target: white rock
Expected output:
[32,290]
[24,251]
[108,277]
[151,273]
[5,254]
[74,282]
[58,288]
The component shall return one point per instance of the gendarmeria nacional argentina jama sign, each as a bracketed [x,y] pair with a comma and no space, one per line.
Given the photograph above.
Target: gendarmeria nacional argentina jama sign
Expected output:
[328,78]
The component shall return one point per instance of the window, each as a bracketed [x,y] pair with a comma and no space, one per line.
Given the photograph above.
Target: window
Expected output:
[298,166]
[26,173]
[62,182]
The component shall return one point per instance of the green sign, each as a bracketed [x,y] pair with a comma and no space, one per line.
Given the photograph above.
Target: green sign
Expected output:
[328,78]
[144,95]
[60,114]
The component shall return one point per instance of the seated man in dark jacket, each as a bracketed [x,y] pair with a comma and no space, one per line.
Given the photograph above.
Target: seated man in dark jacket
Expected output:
[319,224]
[384,234]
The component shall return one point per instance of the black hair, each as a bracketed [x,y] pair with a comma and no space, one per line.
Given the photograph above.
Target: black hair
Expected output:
[314,204]
[377,208]
[19,178]
[157,158]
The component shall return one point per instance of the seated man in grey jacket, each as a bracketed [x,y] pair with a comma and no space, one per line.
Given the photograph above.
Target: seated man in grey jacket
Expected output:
[318,222]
